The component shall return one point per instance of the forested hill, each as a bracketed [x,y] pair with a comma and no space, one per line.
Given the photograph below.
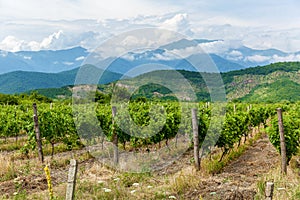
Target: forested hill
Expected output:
[271,83]
[23,81]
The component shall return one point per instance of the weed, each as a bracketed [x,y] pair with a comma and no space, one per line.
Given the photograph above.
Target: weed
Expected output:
[7,167]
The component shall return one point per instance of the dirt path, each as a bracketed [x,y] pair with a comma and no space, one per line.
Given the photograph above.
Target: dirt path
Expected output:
[238,180]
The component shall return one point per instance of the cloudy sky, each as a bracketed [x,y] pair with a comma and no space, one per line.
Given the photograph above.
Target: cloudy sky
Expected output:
[60,24]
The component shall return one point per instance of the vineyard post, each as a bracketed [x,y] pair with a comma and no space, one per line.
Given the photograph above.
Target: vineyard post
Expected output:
[269,190]
[38,133]
[282,142]
[115,137]
[71,180]
[196,138]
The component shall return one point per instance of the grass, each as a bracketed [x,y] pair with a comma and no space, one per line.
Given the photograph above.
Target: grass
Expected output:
[11,145]
[285,186]
[186,179]
[96,181]
[214,166]
[8,169]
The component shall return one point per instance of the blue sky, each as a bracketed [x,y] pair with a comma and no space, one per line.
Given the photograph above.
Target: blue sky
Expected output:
[56,24]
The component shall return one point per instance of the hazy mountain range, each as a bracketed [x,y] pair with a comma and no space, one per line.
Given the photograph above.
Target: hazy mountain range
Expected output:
[226,59]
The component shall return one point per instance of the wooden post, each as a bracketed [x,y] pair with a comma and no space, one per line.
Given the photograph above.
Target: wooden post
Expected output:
[37,133]
[269,190]
[282,142]
[196,138]
[234,108]
[71,180]
[115,137]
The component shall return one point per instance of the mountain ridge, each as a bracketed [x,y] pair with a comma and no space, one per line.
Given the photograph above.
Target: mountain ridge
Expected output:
[225,57]
[257,84]
[23,81]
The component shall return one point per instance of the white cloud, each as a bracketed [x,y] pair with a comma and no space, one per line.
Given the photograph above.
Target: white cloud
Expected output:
[27,57]
[11,43]
[34,46]
[79,9]
[291,57]
[80,58]
[179,22]
[258,58]
[165,56]
[52,41]
[68,23]
[234,55]
[216,47]
[68,63]
[183,53]
[129,57]
[133,42]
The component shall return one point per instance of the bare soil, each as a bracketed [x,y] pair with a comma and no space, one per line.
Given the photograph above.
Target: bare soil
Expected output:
[238,179]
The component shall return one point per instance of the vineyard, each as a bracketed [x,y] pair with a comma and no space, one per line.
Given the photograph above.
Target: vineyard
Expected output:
[84,132]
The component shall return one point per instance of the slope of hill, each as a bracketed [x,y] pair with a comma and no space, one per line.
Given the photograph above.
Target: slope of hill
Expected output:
[271,83]
[21,81]
[280,90]
[265,81]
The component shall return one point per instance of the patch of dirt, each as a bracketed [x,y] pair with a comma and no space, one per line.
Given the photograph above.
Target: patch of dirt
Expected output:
[36,181]
[238,179]
[31,183]
[177,165]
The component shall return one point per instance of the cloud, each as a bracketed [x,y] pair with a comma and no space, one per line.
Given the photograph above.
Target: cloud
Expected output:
[179,22]
[258,58]
[292,57]
[234,55]
[54,40]
[216,47]
[80,58]
[27,57]
[164,56]
[128,56]
[89,23]
[11,43]
[79,9]
[68,63]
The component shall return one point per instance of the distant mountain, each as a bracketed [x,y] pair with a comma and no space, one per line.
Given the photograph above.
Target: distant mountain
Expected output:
[225,58]
[22,81]
[154,60]
[248,57]
[42,61]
